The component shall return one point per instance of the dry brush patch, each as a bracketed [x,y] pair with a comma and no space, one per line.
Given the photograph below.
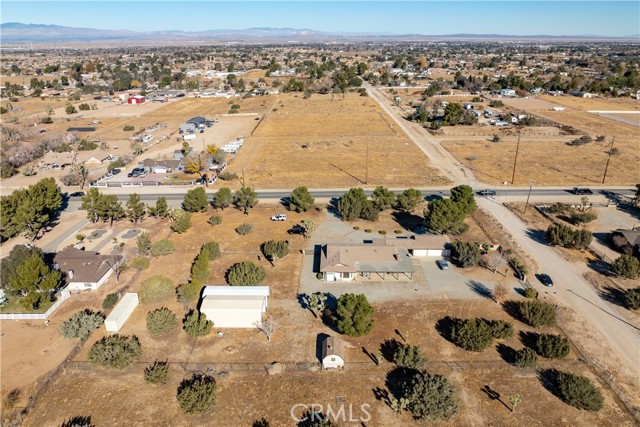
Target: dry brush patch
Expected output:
[322,142]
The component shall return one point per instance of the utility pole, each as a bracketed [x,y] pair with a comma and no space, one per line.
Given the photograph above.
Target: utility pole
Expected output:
[366,177]
[528,195]
[515,160]
[606,168]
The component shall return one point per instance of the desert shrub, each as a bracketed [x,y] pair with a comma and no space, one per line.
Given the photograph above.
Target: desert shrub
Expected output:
[471,334]
[496,103]
[354,315]
[85,145]
[578,391]
[526,358]
[579,218]
[156,373]
[197,394]
[140,263]
[84,107]
[162,247]
[558,208]
[632,298]
[245,273]
[180,220]
[583,140]
[537,314]
[552,346]
[274,250]
[531,293]
[109,301]
[143,242]
[465,254]
[81,324]
[356,228]
[188,292]
[501,329]
[319,276]
[195,324]
[78,421]
[228,176]
[409,356]
[155,288]
[161,321]
[383,232]
[367,230]
[397,231]
[128,128]
[215,220]
[46,120]
[430,396]
[212,249]
[244,229]
[626,266]
[115,351]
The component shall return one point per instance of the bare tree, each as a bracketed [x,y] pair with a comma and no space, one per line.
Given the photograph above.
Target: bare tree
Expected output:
[118,261]
[496,260]
[500,292]
[268,326]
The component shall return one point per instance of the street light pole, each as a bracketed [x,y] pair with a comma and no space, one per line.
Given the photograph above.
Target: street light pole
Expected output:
[606,168]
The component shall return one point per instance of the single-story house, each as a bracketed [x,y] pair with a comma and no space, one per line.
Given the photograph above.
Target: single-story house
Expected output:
[160,166]
[422,244]
[332,353]
[121,312]
[507,92]
[345,262]
[199,121]
[626,241]
[234,306]
[85,270]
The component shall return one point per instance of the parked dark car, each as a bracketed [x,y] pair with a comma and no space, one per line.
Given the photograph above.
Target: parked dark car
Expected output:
[545,279]
[296,229]
[77,194]
[581,190]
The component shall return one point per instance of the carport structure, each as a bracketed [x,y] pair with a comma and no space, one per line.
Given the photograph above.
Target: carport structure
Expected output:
[345,262]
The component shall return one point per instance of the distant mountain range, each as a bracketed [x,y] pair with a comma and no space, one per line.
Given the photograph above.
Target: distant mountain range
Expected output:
[15,33]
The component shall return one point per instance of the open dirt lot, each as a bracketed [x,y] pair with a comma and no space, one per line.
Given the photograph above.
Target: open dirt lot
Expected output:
[322,142]
[593,103]
[123,397]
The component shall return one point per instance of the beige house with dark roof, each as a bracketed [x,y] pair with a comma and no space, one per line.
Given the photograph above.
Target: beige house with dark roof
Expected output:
[332,353]
[85,270]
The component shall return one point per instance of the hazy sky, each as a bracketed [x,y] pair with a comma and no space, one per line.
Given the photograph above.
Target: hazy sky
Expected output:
[605,18]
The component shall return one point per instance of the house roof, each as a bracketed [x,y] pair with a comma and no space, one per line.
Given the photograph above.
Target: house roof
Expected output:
[87,266]
[222,302]
[332,346]
[365,257]
[419,241]
[632,236]
[244,291]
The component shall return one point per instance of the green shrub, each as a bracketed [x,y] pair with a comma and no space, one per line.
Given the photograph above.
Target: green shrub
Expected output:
[128,128]
[626,266]
[215,220]
[552,346]
[81,324]
[537,314]
[161,321]
[354,315]
[195,324]
[397,231]
[471,334]
[212,250]
[356,228]
[367,230]
[245,273]
[465,254]
[188,292]
[409,356]
[115,351]
[383,232]
[319,276]
[501,330]
[181,220]
[140,263]
[578,391]
[228,176]
[156,373]
[531,293]
[162,247]
[526,358]
[632,298]
[274,250]
[197,394]
[109,301]
[244,229]
[430,396]
[155,288]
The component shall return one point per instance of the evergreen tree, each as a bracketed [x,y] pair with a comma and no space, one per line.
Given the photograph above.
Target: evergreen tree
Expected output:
[90,202]
[195,200]
[196,325]
[444,216]
[354,315]
[245,199]
[245,273]
[383,199]
[161,209]
[462,195]
[351,204]
[135,208]
[223,198]
[430,396]
[301,200]
[409,200]
[32,280]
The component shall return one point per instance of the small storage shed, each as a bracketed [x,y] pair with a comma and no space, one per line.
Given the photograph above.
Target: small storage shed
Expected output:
[234,306]
[332,353]
[136,99]
[121,312]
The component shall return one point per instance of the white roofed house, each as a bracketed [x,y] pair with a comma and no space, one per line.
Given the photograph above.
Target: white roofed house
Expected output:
[234,306]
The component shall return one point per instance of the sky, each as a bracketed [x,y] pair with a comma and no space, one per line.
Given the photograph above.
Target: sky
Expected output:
[513,17]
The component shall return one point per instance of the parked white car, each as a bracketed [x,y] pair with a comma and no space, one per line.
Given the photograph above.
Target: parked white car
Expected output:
[279,217]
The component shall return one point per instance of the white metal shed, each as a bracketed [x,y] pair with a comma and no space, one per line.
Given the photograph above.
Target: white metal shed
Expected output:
[121,312]
[234,306]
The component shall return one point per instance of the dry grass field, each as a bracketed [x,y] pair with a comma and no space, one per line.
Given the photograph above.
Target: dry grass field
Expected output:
[323,142]
[248,394]
[593,103]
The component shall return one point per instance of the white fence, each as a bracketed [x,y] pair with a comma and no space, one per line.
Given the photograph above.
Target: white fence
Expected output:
[39,316]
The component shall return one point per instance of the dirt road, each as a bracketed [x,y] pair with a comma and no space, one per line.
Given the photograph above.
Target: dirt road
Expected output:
[607,322]
[429,145]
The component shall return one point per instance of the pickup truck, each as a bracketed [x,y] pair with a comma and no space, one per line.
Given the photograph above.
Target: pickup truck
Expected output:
[279,217]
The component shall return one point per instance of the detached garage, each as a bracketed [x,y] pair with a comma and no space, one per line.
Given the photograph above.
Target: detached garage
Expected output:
[424,244]
[121,312]
[234,306]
